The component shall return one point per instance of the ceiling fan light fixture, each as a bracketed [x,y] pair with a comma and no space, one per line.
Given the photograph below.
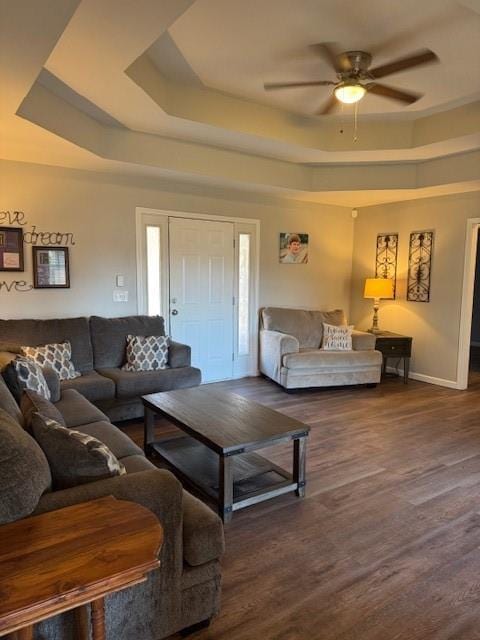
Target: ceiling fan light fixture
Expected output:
[350,92]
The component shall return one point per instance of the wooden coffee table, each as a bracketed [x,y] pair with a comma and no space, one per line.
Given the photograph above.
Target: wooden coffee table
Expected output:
[68,558]
[216,454]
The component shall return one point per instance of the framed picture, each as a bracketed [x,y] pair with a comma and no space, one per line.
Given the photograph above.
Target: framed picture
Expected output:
[50,268]
[386,258]
[11,249]
[420,266]
[294,248]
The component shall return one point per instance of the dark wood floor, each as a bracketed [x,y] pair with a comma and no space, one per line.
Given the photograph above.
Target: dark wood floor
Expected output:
[386,545]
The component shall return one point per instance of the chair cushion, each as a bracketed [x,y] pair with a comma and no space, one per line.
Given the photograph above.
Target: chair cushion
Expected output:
[38,332]
[138,383]
[109,336]
[91,385]
[203,538]
[32,402]
[24,471]
[74,457]
[305,324]
[332,360]
[117,441]
[77,410]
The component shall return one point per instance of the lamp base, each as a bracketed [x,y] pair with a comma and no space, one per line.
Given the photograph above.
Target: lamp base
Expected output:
[374,331]
[374,328]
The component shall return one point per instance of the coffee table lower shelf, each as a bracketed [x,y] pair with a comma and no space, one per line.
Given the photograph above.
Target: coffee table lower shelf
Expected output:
[254,477]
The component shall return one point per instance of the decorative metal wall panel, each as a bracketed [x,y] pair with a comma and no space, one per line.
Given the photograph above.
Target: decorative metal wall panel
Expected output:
[386,257]
[419,266]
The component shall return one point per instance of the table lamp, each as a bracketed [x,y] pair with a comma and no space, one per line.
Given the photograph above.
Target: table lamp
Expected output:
[377,288]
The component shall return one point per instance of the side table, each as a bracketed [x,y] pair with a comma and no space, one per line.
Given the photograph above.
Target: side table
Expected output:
[394,345]
[66,559]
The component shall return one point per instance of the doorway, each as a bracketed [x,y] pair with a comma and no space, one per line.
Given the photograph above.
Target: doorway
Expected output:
[201,274]
[474,362]
[468,320]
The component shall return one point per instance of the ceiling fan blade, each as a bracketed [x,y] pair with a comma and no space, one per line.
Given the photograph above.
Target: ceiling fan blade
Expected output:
[327,107]
[391,92]
[414,60]
[269,86]
[327,50]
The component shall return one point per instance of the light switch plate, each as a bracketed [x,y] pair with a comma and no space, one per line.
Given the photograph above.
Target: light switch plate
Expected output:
[120,280]
[120,296]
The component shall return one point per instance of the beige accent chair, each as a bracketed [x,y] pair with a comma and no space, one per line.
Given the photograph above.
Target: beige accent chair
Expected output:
[291,354]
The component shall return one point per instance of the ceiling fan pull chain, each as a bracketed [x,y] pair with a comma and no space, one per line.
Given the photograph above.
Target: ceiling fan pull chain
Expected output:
[355,119]
[342,120]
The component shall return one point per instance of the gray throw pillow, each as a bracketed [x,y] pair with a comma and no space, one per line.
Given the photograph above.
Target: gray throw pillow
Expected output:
[30,376]
[57,355]
[146,353]
[32,402]
[74,457]
[24,471]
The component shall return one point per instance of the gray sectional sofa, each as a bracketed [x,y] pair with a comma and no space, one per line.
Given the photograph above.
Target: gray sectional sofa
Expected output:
[98,352]
[291,354]
[185,591]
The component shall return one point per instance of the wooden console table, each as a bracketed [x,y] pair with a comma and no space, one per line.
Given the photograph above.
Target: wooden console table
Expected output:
[72,557]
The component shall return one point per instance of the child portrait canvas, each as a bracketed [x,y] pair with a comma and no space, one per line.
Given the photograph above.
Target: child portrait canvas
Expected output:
[294,248]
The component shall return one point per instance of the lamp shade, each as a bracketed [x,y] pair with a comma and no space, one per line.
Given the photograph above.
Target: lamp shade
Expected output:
[378,288]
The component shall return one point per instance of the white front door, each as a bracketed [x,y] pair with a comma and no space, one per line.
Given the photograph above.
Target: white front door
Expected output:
[201,293]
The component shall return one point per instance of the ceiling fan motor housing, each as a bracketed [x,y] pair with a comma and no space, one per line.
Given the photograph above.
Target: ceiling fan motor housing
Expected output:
[354,63]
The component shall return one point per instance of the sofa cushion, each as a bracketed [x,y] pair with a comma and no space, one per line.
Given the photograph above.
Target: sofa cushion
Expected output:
[109,336]
[57,355]
[332,360]
[32,402]
[38,332]
[77,410]
[74,457]
[305,324]
[117,441]
[203,538]
[92,385]
[138,383]
[24,471]
[8,403]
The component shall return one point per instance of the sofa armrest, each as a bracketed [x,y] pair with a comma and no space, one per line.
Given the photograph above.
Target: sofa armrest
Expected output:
[155,489]
[363,341]
[179,355]
[273,346]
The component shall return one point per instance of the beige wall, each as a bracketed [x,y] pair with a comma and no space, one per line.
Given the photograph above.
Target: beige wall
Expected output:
[434,325]
[99,210]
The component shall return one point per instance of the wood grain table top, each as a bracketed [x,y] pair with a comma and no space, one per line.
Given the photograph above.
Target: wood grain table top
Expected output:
[223,421]
[62,559]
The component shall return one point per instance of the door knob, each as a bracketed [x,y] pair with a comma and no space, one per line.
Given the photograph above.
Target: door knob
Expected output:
[174,312]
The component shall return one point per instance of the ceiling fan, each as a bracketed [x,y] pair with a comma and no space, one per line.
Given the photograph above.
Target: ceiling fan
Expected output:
[355,78]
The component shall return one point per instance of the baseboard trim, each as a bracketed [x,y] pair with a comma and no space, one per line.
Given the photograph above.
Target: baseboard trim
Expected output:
[421,377]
